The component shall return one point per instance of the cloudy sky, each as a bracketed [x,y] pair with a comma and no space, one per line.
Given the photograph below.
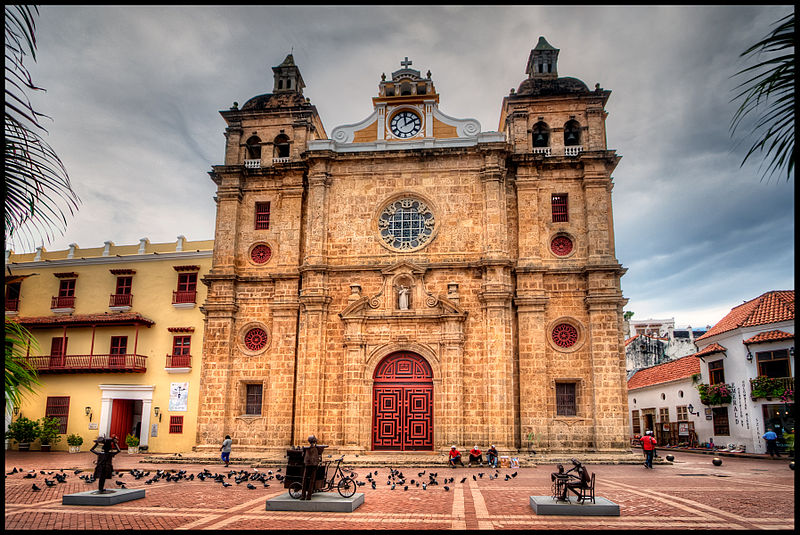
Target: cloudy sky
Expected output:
[134,93]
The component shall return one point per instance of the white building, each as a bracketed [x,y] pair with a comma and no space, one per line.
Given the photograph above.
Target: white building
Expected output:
[755,341]
[664,399]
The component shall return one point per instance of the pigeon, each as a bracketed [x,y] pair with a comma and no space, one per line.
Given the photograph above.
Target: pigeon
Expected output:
[29,476]
[424,486]
[421,473]
[392,486]
[474,478]
[373,484]
[119,483]
[266,485]
[251,486]
[49,483]
[507,477]
[224,484]
[480,474]
[514,474]
[405,488]
[11,473]
[463,479]
[43,472]
[35,487]
[148,482]
[446,488]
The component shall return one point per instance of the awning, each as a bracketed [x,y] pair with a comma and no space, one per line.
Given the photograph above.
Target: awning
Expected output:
[84,320]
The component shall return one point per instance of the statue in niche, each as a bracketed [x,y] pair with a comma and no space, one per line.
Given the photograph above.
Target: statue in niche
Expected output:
[402,297]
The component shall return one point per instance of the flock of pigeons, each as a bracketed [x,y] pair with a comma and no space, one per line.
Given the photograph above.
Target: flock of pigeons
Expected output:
[253,478]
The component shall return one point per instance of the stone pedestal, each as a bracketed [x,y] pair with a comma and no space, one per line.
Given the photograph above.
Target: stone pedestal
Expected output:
[547,505]
[320,501]
[109,497]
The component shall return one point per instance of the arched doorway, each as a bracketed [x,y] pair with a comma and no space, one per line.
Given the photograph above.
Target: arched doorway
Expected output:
[402,403]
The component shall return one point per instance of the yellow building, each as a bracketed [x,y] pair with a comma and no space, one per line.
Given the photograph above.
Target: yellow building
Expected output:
[119,333]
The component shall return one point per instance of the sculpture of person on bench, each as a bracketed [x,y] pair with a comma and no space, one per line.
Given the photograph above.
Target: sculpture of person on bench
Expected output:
[576,482]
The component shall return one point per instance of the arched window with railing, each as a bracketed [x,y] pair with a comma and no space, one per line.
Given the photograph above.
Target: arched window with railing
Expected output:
[281,144]
[253,148]
[541,135]
[572,133]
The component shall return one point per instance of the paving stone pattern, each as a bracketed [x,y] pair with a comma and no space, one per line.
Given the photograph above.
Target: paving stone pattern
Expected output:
[741,494]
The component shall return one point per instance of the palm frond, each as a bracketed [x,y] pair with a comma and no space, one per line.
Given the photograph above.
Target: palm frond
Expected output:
[768,90]
[21,377]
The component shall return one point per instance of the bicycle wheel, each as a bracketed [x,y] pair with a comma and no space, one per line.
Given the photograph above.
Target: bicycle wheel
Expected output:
[347,487]
[296,490]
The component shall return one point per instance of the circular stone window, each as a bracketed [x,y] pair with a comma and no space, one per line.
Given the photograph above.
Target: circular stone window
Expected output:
[564,335]
[255,339]
[261,253]
[561,245]
[406,224]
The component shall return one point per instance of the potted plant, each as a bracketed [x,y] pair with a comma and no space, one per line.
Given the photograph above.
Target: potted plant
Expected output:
[716,394]
[48,432]
[74,442]
[24,431]
[133,443]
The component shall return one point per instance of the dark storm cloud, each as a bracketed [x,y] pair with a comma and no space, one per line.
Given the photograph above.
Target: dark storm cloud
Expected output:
[135,94]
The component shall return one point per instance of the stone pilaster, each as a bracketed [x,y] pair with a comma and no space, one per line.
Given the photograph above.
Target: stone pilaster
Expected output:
[452,363]
[354,387]
[534,376]
[310,385]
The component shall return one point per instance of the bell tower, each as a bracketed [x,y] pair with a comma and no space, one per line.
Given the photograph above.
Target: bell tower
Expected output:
[543,61]
[287,77]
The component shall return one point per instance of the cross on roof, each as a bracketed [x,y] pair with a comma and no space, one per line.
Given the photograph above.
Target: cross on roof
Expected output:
[405,63]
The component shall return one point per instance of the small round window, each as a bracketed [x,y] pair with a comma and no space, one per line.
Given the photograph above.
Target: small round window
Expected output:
[663,396]
[406,224]
[561,246]
[261,253]
[565,335]
[255,339]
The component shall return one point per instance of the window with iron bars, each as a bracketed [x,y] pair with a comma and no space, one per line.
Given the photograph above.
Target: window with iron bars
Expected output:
[262,215]
[559,204]
[176,424]
[637,429]
[565,399]
[253,400]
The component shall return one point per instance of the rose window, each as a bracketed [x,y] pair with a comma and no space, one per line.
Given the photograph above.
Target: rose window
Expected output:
[261,253]
[406,224]
[561,246]
[565,335]
[255,339]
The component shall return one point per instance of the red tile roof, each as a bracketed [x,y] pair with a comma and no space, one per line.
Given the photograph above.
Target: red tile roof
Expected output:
[713,348]
[85,320]
[770,307]
[769,336]
[662,373]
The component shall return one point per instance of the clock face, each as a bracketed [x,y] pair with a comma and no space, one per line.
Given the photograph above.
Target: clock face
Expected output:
[405,124]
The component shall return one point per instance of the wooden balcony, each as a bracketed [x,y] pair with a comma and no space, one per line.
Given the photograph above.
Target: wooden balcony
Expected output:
[179,361]
[62,302]
[120,300]
[184,297]
[780,385]
[12,305]
[128,363]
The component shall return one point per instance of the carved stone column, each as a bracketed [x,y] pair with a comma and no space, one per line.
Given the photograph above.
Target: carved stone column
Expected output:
[534,375]
[354,387]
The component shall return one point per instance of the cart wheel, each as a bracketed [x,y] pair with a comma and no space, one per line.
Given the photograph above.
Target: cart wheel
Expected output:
[296,490]
[347,487]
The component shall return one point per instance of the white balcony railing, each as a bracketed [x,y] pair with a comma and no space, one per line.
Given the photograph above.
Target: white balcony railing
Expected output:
[281,160]
[572,151]
[542,150]
[252,164]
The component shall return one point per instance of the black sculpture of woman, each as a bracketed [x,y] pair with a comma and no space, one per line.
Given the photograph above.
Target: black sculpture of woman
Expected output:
[104,470]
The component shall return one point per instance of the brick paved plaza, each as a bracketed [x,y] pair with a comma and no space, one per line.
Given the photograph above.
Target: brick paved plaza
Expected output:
[689,494]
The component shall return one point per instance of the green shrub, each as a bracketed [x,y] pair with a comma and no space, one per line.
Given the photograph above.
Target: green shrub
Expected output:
[23,430]
[74,440]
[131,441]
[49,430]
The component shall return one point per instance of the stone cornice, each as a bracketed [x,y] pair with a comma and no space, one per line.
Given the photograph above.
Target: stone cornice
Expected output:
[149,257]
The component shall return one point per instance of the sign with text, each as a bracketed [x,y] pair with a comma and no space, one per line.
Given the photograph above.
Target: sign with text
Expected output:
[178,394]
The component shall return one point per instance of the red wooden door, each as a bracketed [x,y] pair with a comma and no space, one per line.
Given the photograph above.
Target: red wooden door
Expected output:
[121,420]
[58,352]
[403,404]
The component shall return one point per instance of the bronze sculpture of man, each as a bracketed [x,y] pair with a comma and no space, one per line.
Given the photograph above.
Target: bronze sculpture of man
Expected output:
[104,470]
[312,456]
[571,482]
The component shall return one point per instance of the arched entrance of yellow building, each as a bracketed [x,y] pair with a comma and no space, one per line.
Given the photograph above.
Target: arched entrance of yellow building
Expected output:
[402,403]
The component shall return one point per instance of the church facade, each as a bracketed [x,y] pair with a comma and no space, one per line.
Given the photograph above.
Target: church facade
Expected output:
[412,282]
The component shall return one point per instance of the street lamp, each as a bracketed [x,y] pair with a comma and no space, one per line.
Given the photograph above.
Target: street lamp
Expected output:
[88,411]
[157,410]
[690,408]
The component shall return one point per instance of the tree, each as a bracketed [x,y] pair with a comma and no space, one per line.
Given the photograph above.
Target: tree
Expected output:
[769,92]
[38,190]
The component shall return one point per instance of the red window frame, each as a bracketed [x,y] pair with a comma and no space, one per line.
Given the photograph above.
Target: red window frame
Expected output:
[181,345]
[66,288]
[262,215]
[253,399]
[566,399]
[119,345]
[716,372]
[176,424]
[187,282]
[560,205]
[58,407]
[124,285]
[58,346]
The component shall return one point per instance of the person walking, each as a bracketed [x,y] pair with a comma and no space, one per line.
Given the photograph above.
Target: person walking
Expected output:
[772,443]
[226,450]
[649,447]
